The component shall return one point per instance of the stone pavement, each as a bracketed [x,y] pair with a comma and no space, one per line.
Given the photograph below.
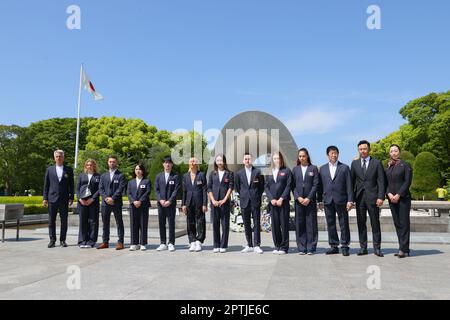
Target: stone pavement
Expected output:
[28,270]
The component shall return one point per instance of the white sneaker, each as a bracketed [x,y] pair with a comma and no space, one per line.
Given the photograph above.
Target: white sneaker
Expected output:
[143,247]
[258,250]
[133,248]
[223,250]
[198,246]
[302,253]
[216,250]
[275,251]
[161,247]
[247,249]
[192,247]
[281,252]
[171,247]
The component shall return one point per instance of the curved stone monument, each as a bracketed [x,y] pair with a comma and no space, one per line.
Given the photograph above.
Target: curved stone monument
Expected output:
[259,133]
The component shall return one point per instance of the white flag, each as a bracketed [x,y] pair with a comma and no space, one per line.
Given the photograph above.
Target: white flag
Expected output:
[90,87]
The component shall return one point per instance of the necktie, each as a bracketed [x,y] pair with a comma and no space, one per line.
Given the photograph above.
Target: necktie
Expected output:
[364,166]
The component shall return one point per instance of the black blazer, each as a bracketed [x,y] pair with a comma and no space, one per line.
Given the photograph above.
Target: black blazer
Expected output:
[308,187]
[83,184]
[167,191]
[399,179]
[281,188]
[339,189]
[373,183]
[112,188]
[141,194]
[55,190]
[249,194]
[220,189]
[196,192]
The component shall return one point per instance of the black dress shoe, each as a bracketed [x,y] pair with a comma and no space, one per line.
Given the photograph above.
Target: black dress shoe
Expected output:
[363,252]
[333,251]
[403,254]
[51,244]
[345,252]
[63,244]
[378,253]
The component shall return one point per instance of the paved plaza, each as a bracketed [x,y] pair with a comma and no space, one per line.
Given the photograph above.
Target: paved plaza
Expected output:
[28,270]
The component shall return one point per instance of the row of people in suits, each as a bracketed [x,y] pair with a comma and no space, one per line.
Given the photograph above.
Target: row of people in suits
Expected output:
[335,186]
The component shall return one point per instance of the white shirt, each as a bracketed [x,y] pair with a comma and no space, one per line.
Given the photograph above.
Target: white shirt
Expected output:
[367,162]
[221,173]
[304,168]
[138,181]
[333,168]
[111,174]
[89,177]
[248,173]
[166,176]
[275,173]
[60,172]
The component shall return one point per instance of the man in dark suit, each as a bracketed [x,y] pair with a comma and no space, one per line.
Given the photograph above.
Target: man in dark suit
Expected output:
[112,185]
[58,195]
[336,193]
[167,184]
[249,183]
[369,189]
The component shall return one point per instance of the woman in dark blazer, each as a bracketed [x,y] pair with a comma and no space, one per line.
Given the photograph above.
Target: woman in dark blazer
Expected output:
[194,204]
[305,186]
[399,177]
[139,189]
[220,186]
[88,204]
[278,190]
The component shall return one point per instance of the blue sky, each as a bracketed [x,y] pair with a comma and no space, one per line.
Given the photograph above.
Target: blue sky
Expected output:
[313,64]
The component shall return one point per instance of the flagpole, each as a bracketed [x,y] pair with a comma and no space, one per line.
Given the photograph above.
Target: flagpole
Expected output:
[78,118]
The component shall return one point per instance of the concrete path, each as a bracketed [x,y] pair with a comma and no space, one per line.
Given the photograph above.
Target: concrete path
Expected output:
[28,270]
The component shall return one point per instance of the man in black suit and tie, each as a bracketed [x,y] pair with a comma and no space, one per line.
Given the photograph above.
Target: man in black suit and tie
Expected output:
[167,184]
[249,183]
[369,189]
[112,185]
[336,193]
[58,195]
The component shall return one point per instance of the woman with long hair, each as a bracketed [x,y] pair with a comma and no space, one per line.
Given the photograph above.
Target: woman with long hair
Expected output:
[220,186]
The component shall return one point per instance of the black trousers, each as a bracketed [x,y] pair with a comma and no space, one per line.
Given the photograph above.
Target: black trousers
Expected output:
[362,207]
[306,227]
[196,223]
[330,214]
[88,227]
[252,235]
[280,226]
[53,208]
[401,213]
[106,218]
[221,217]
[165,214]
[139,225]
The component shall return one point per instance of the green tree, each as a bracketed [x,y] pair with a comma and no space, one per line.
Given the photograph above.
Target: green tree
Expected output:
[426,176]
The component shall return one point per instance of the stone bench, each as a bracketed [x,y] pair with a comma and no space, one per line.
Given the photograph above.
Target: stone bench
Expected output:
[11,212]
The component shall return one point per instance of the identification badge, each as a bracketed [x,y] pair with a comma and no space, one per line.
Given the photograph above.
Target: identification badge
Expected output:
[171,182]
[311,174]
[282,174]
[143,186]
[97,179]
[256,181]
[199,183]
[226,180]
[116,181]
